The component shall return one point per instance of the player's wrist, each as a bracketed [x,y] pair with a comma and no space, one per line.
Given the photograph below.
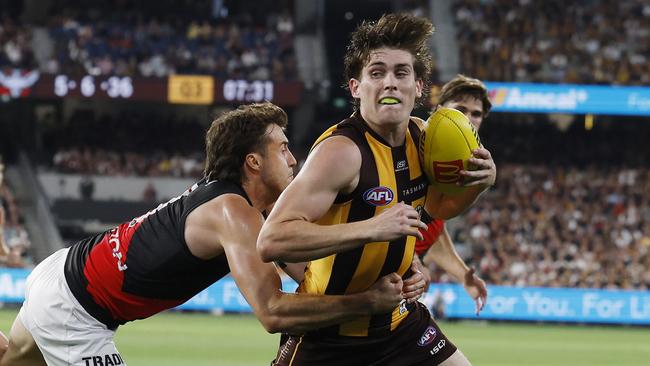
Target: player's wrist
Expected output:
[468,276]
[363,303]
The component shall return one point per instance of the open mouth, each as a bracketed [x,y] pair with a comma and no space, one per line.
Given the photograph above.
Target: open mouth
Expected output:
[389,101]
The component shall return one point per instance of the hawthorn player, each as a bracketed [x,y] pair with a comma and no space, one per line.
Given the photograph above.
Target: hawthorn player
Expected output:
[352,209]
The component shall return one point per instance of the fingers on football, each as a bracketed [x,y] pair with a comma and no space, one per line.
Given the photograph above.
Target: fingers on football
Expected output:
[483,163]
[482,152]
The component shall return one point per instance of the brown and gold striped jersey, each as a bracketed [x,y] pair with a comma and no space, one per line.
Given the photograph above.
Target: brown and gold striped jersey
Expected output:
[388,175]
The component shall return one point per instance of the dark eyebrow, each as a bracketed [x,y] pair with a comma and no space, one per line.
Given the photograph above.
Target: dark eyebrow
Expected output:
[378,63]
[403,65]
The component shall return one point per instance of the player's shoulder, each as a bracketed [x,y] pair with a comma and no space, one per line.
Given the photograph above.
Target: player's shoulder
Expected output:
[348,129]
[338,141]
[232,204]
[226,209]
[339,150]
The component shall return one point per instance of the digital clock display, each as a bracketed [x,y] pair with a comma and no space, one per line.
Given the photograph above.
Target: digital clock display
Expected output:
[247,91]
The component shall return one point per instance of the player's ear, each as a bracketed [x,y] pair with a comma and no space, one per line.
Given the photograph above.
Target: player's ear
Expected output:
[353,85]
[253,161]
[419,85]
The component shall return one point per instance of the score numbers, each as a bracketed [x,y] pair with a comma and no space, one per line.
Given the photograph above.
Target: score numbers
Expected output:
[113,87]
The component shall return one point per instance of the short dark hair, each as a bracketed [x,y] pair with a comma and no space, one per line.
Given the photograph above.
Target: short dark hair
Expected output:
[461,86]
[235,134]
[399,31]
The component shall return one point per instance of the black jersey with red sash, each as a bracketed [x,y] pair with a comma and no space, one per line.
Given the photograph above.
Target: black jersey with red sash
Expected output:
[144,266]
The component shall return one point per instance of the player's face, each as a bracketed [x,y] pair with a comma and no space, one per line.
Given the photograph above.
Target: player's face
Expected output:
[470,106]
[278,162]
[387,88]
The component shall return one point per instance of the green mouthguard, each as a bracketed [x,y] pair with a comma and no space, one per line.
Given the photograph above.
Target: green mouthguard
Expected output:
[389,101]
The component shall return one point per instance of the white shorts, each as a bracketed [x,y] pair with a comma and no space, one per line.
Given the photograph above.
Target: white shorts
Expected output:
[64,332]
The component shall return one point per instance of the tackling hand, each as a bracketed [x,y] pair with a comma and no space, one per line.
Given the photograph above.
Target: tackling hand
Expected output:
[476,288]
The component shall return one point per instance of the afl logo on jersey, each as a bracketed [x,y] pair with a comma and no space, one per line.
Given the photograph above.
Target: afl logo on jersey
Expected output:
[378,196]
[428,336]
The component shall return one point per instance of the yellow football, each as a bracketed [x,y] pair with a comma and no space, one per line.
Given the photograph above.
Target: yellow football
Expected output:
[446,143]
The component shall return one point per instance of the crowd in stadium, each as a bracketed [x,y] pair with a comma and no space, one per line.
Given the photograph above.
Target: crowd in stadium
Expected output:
[593,42]
[136,43]
[506,40]
[112,163]
[173,148]
[562,227]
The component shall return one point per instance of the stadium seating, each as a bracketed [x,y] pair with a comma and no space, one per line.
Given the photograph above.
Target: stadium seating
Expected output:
[592,42]
[109,41]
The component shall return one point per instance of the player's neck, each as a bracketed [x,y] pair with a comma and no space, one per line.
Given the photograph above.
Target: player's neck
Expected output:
[259,194]
[393,134]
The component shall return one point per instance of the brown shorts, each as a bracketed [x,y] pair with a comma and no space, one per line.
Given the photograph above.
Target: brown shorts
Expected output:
[417,341]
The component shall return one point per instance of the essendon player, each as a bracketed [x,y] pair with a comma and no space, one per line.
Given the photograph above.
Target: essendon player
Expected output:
[470,96]
[76,298]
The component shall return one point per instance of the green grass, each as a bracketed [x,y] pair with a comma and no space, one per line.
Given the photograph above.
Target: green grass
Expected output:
[239,340]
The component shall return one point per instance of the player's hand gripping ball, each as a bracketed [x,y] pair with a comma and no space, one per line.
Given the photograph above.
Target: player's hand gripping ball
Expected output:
[446,143]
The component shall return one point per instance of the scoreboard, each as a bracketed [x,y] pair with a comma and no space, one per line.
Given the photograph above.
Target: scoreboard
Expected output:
[178,89]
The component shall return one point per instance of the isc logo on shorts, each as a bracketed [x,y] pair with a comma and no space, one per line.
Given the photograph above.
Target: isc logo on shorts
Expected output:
[379,196]
[105,360]
[438,347]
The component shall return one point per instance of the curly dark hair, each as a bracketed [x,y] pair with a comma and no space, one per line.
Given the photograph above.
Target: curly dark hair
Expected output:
[399,31]
[235,134]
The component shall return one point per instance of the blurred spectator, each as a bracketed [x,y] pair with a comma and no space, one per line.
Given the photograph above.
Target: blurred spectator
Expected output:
[15,48]
[86,188]
[14,241]
[150,194]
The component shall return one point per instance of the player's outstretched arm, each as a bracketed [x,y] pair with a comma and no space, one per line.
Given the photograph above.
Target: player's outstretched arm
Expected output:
[443,206]
[443,253]
[261,286]
[290,233]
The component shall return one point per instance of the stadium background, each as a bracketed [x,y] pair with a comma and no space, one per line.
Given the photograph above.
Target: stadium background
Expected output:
[104,103]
